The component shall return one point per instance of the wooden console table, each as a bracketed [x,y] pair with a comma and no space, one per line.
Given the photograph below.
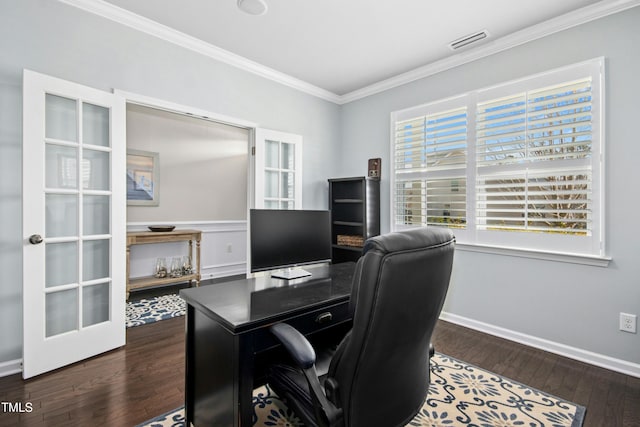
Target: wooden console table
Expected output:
[148,237]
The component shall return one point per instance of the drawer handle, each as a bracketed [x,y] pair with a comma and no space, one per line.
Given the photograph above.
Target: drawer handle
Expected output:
[324,318]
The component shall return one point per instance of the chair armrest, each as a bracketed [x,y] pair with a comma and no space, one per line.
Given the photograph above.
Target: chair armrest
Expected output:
[303,354]
[296,344]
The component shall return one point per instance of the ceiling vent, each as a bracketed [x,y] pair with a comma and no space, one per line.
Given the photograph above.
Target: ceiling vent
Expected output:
[467,40]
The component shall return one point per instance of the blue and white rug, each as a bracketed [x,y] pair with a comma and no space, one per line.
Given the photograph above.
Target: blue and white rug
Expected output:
[459,395]
[154,309]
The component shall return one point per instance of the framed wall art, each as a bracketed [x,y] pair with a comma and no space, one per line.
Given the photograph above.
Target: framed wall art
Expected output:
[142,178]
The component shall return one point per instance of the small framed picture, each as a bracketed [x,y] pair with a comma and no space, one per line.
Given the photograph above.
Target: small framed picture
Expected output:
[142,178]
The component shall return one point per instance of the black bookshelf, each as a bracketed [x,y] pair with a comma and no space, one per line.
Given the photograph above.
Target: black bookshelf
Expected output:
[355,215]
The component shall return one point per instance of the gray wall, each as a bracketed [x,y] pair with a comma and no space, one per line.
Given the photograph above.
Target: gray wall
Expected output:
[572,304]
[65,42]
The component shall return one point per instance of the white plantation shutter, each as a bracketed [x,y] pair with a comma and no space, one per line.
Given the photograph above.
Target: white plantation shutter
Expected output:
[547,135]
[515,165]
[540,202]
[431,202]
[501,132]
[430,153]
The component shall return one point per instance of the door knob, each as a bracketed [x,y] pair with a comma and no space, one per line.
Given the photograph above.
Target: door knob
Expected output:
[35,239]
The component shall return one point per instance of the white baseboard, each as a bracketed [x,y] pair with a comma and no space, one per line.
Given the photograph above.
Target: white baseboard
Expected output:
[607,362]
[10,367]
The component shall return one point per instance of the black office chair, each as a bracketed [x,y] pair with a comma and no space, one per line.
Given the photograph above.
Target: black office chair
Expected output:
[379,374]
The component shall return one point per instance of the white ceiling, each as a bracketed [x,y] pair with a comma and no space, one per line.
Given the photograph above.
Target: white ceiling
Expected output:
[341,47]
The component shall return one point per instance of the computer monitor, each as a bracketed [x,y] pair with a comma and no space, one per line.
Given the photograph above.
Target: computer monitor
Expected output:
[283,239]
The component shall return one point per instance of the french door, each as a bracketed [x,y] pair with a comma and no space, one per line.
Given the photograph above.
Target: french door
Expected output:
[73,222]
[278,170]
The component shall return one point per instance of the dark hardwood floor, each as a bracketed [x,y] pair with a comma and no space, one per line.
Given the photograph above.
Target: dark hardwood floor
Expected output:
[123,387]
[146,378]
[612,399]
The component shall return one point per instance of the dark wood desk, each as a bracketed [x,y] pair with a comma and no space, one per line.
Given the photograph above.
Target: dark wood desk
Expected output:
[228,344]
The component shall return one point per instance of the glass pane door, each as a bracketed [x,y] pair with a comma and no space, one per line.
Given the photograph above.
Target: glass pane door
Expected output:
[61,215]
[278,170]
[74,253]
[77,225]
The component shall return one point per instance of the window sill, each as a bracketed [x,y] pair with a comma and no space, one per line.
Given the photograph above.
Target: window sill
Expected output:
[596,261]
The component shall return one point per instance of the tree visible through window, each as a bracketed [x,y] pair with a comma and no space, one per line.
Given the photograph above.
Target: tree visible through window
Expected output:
[547,134]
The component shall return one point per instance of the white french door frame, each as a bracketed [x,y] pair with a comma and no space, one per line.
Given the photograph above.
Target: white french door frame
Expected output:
[258,170]
[172,107]
[262,136]
[45,350]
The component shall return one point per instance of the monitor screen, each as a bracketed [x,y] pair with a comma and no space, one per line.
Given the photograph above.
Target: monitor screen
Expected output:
[288,238]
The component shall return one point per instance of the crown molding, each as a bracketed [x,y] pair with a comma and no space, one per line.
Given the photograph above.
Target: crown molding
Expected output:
[153,28]
[560,23]
[554,25]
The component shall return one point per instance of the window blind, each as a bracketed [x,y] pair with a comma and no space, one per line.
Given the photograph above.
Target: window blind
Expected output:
[519,164]
[430,161]
[546,134]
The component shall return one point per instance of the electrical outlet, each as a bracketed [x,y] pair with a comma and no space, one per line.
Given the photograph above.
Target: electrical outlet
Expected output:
[628,322]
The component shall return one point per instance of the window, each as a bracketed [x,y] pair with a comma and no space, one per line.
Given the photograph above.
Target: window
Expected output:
[517,165]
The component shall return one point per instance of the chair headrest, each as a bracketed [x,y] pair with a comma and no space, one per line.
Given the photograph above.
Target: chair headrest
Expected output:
[406,240]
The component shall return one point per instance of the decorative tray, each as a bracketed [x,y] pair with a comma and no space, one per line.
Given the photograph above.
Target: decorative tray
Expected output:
[161,227]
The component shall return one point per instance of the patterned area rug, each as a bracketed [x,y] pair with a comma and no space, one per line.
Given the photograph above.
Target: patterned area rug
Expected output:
[154,309]
[459,395]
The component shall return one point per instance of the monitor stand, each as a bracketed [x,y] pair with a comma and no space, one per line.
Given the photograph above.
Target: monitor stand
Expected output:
[290,273]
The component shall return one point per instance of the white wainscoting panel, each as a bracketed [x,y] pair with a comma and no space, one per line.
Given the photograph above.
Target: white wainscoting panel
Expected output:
[223,249]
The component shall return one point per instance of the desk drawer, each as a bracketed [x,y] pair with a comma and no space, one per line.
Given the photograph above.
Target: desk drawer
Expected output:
[306,323]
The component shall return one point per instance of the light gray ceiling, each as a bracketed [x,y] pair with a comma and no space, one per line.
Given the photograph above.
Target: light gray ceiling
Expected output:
[342,46]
